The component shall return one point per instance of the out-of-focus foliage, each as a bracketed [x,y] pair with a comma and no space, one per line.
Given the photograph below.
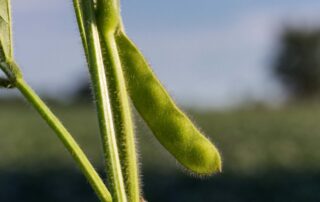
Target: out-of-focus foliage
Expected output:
[251,140]
[83,93]
[298,62]
[269,155]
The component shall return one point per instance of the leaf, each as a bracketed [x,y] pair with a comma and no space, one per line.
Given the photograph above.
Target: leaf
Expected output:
[5,30]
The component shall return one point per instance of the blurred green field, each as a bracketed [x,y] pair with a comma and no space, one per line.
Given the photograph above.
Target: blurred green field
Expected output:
[251,139]
[254,141]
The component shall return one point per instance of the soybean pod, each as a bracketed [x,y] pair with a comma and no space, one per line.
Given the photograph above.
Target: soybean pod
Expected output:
[170,125]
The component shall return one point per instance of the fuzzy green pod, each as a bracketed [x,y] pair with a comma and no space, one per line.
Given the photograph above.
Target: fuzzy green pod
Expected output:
[169,124]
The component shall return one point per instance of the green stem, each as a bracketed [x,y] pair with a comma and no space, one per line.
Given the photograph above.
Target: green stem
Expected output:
[77,4]
[66,139]
[10,31]
[122,117]
[101,91]
[108,20]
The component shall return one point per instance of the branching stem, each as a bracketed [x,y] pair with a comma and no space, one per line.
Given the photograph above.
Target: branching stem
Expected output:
[66,139]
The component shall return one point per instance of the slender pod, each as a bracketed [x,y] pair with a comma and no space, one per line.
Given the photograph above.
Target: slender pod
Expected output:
[169,124]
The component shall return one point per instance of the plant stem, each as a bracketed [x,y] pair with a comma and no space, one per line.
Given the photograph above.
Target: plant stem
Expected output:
[122,117]
[108,21]
[10,31]
[77,4]
[66,139]
[105,116]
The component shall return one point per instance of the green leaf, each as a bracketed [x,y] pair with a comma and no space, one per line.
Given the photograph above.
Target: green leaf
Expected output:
[5,30]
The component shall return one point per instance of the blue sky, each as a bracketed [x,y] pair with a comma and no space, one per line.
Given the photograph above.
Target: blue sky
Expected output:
[208,52]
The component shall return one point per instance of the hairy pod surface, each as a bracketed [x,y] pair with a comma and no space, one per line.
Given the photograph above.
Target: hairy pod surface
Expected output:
[169,124]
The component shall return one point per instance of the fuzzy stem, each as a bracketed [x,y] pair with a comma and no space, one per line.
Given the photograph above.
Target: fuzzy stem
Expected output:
[78,8]
[122,116]
[108,20]
[66,139]
[10,30]
[101,91]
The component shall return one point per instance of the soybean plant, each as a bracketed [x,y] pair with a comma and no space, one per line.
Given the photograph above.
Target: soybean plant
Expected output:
[118,72]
